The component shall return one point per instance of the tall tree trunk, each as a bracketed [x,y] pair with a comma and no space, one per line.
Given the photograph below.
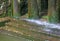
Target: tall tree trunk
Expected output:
[29,8]
[39,7]
[52,11]
[15,9]
[33,9]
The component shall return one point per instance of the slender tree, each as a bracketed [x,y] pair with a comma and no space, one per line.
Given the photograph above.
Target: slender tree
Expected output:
[15,8]
[39,7]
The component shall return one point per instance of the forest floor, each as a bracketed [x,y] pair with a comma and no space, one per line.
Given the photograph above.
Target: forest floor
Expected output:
[23,29]
[16,27]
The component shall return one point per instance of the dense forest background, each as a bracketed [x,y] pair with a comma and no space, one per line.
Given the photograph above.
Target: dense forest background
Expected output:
[34,9]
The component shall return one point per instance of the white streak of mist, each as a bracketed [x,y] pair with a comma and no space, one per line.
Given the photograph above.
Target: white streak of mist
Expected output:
[46,24]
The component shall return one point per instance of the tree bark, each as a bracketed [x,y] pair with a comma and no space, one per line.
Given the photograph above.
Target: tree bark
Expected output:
[33,9]
[52,11]
[15,9]
[39,7]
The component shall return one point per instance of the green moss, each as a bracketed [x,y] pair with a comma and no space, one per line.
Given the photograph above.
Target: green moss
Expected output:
[3,23]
